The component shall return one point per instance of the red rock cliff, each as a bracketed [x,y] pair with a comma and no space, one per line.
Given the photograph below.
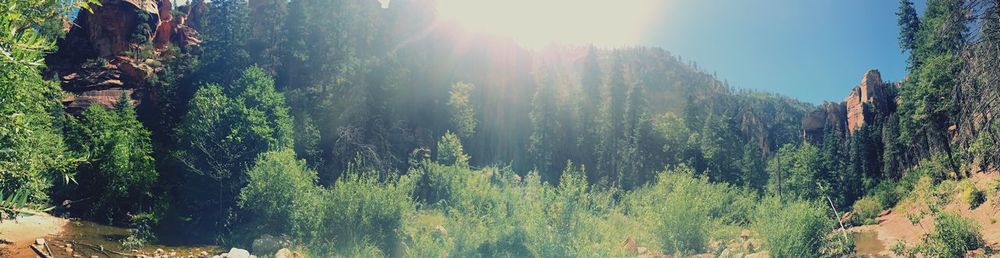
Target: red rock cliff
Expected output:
[97,61]
[866,102]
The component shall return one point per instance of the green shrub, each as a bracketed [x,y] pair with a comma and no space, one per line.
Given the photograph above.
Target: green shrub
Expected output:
[953,235]
[791,228]
[899,248]
[684,211]
[888,193]
[360,209]
[866,209]
[684,221]
[970,194]
[450,151]
[836,245]
[276,198]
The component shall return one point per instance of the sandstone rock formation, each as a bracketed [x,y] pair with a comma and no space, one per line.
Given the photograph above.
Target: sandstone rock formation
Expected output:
[867,100]
[113,50]
[870,100]
[829,116]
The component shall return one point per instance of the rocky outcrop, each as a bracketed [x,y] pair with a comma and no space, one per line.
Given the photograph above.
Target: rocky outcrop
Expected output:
[115,49]
[870,100]
[828,117]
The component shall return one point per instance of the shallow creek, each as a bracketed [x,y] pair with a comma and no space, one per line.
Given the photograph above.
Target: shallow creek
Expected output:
[80,238]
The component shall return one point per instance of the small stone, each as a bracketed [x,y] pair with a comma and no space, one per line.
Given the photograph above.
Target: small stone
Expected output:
[173,253]
[69,250]
[94,256]
[40,241]
[68,245]
[203,254]
[158,251]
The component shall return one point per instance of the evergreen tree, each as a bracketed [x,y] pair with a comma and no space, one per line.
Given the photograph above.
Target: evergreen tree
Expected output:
[226,35]
[542,142]
[909,25]
[463,114]
[450,151]
[120,171]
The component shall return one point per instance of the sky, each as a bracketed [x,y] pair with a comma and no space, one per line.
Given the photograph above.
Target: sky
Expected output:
[812,50]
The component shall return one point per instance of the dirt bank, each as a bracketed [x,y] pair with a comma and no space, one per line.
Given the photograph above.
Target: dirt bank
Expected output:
[19,234]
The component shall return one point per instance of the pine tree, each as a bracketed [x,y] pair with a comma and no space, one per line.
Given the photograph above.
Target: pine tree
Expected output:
[226,35]
[909,25]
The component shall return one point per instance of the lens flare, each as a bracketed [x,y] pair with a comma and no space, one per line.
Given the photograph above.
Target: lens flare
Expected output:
[537,23]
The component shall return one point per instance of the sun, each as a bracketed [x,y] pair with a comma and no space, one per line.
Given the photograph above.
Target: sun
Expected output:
[537,23]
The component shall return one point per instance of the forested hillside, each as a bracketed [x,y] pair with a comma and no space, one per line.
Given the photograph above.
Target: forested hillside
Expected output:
[360,128]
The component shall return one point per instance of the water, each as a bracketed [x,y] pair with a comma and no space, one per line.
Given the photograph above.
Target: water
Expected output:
[89,237]
[867,244]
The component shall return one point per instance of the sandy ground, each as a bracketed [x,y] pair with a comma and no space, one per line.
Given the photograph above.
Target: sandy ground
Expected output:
[24,231]
[896,226]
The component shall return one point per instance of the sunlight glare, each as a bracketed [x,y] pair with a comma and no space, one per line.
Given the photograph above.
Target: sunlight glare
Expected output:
[537,23]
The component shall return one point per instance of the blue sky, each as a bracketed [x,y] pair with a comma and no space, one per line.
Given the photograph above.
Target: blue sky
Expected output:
[813,50]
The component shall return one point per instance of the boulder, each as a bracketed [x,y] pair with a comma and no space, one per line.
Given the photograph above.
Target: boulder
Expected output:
[237,253]
[285,253]
[267,244]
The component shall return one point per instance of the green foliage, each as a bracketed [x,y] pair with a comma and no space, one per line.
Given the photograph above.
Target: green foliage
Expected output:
[970,194]
[792,228]
[866,209]
[898,248]
[120,172]
[277,194]
[793,171]
[463,114]
[221,136]
[693,210]
[141,230]
[953,235]
[450,151]
[11,204]
[226,35]
[909,25]
[31,147]
[359,209]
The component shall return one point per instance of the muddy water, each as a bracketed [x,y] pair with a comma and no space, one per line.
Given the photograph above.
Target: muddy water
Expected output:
[88,238]
[867,244]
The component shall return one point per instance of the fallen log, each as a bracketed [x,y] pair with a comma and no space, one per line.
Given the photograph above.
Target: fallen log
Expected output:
[39,251]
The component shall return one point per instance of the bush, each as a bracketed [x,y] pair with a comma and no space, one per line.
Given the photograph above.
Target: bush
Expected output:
[971,195]
[888,193]
[791,228]
[689,211]
[683,227]
[899,248]
[865,210]
[276,195]
[360,210]
[953,235]
[450,151]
